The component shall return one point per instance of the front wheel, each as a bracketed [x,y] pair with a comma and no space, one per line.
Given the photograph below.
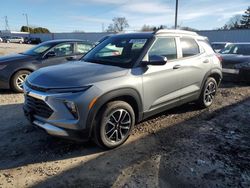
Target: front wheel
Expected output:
[114,124]
[18,79]
[208,93]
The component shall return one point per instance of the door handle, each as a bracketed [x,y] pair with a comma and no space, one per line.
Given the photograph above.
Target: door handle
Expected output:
[176,67]
[206,61]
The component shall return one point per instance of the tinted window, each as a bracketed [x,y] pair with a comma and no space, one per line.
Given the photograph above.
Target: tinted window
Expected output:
[63,49]
[242,49]
[164,47]
[189,47]
[82,48]
[218,46]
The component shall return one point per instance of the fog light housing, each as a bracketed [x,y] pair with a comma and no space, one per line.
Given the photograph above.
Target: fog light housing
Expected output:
[72,108]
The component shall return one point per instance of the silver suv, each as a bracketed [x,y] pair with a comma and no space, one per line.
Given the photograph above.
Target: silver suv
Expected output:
[123,80]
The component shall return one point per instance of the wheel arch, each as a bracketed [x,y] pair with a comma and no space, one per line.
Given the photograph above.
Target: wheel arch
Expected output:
[129,95]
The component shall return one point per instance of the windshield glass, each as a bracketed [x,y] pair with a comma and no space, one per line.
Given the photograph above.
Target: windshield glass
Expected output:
[241,49]
[39,49]
[116,51]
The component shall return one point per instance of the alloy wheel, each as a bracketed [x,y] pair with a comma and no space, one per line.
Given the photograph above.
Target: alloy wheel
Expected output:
[20,80]
[209,93]
[118,126]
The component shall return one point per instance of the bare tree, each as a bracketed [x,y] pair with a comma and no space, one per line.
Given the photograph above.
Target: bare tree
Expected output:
[234,22]
[118,25]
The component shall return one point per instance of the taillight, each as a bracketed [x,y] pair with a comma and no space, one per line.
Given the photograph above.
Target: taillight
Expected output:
[219,57]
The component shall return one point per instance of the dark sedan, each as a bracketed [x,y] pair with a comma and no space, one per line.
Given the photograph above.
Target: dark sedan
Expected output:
[15,68]
[236,61]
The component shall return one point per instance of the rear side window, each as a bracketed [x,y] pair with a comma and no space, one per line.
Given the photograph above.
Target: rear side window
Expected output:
[164,47]
[82,48]
[189,47]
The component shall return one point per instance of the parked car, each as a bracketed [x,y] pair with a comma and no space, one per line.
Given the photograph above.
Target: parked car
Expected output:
[32,40]
[218,46]
[103,96]
[13,39]
[236,61]
[14,69]
[1,40]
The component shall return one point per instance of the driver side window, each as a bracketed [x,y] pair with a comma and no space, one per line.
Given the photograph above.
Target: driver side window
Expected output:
[63,49]
[164,47]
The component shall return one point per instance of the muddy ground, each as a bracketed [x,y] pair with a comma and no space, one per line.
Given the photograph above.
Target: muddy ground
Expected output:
[182,147]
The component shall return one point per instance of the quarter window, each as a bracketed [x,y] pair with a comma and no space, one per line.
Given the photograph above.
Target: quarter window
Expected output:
[164,47]
[189,47]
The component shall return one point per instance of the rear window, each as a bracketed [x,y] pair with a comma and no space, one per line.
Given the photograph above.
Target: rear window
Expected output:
[189,47]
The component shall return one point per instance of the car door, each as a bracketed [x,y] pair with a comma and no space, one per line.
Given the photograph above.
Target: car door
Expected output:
[194,65]
[63,53]
[161,84]
[82,48]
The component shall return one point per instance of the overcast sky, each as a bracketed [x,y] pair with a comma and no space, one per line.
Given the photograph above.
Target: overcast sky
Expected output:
[89,15]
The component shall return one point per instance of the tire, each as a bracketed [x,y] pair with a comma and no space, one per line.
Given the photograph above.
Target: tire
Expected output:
[20,42]
[112,130]
[17,79]
[7,41]
[208,93]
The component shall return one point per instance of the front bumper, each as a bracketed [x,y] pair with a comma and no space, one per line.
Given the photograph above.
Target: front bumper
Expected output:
[60,121]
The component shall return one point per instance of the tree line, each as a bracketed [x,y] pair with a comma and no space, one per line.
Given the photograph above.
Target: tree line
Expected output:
[34,29]
[238,21]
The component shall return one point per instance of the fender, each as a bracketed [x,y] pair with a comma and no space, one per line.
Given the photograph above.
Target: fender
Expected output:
[209,73]
[124,92]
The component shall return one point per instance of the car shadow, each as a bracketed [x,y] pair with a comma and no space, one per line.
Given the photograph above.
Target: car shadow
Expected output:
[6,91]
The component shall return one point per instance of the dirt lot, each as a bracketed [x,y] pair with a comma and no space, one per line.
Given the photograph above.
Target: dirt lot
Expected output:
[183,147]
[13,48]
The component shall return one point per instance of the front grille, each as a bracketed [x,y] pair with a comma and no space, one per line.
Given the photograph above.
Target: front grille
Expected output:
[38,107]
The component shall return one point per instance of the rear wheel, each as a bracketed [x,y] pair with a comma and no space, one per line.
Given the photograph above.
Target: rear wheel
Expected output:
[114,124]
[208,93]
[18,79]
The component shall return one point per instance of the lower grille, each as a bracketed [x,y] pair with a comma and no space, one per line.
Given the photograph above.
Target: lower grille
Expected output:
[38,107]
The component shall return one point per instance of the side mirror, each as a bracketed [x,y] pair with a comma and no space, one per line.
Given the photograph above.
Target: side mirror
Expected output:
[50,54]
[157,60]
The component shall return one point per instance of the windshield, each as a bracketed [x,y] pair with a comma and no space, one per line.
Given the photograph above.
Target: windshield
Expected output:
[116,51]
[241,49]
[39,49]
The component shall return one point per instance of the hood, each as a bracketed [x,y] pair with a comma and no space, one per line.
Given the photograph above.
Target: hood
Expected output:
[15,58]
[230,60]
[74,74]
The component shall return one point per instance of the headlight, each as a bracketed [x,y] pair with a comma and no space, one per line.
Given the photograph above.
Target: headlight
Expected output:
[2,67]
[72,108]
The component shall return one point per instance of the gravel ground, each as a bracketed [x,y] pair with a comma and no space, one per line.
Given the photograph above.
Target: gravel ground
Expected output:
[182,147]
[10,48]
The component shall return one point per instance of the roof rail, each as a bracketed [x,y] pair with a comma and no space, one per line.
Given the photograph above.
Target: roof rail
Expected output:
[175,31]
